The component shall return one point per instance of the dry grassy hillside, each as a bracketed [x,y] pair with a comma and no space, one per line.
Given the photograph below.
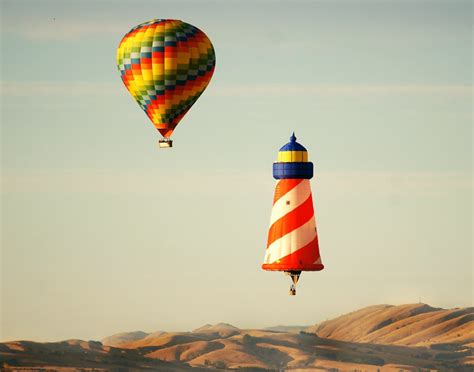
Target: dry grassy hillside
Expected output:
[168,339]
[78,355]
[219,329]
[123,338]
[407,338]
[304,351]
[410,325]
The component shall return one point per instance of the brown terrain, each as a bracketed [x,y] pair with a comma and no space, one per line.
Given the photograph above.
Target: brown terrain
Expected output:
[408,325]
[377,338]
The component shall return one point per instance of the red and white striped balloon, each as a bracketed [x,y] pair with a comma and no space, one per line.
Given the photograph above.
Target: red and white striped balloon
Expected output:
[292,238]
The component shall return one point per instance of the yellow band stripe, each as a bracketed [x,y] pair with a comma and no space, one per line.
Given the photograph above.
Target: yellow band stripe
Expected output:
[292,156]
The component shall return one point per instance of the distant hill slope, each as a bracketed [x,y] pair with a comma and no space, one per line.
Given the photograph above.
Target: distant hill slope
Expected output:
[225,346]
[367,339]
[410,325]
[78,356]
[288,329]
[123,338]
[166,339]
[254,349]
[221,329]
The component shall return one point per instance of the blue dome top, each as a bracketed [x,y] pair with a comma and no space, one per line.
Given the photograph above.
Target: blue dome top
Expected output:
[293,145]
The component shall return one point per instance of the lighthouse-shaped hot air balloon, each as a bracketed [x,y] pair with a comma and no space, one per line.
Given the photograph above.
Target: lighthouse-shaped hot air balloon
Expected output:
[292,239]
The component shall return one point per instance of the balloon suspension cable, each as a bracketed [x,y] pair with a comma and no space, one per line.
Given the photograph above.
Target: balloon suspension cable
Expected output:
[165,143]
[295,276]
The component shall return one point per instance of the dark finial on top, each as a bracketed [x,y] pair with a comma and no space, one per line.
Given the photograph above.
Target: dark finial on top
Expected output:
[293,145]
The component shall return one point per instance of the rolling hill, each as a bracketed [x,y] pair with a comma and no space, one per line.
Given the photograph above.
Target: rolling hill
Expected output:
[78,355]
[125,337]
[406,337]
[409,325]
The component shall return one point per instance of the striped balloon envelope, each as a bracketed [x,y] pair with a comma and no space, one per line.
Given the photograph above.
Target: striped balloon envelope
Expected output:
[166,65]
[292,245]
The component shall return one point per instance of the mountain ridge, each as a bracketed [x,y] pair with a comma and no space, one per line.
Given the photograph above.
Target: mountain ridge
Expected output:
[404,337]
[408,325]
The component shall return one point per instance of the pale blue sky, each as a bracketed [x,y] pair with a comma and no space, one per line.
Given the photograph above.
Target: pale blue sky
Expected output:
[102,232]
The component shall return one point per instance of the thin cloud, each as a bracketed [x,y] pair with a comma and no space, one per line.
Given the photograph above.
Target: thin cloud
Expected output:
[393,183]
[239,90]
[131,181]
[223,182]
[38,88]
[57,29]
[283,90]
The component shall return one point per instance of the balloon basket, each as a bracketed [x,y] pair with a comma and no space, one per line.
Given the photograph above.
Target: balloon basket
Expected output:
[165,143]
[292,291]
[295,276]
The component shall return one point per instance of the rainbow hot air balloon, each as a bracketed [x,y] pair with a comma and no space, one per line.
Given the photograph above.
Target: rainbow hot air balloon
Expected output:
[165,64]
[292,245]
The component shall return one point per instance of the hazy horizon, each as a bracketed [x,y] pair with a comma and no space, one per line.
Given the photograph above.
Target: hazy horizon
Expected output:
[102,232]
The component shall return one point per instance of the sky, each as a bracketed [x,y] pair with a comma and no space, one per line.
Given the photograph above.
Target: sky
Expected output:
[102,232]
